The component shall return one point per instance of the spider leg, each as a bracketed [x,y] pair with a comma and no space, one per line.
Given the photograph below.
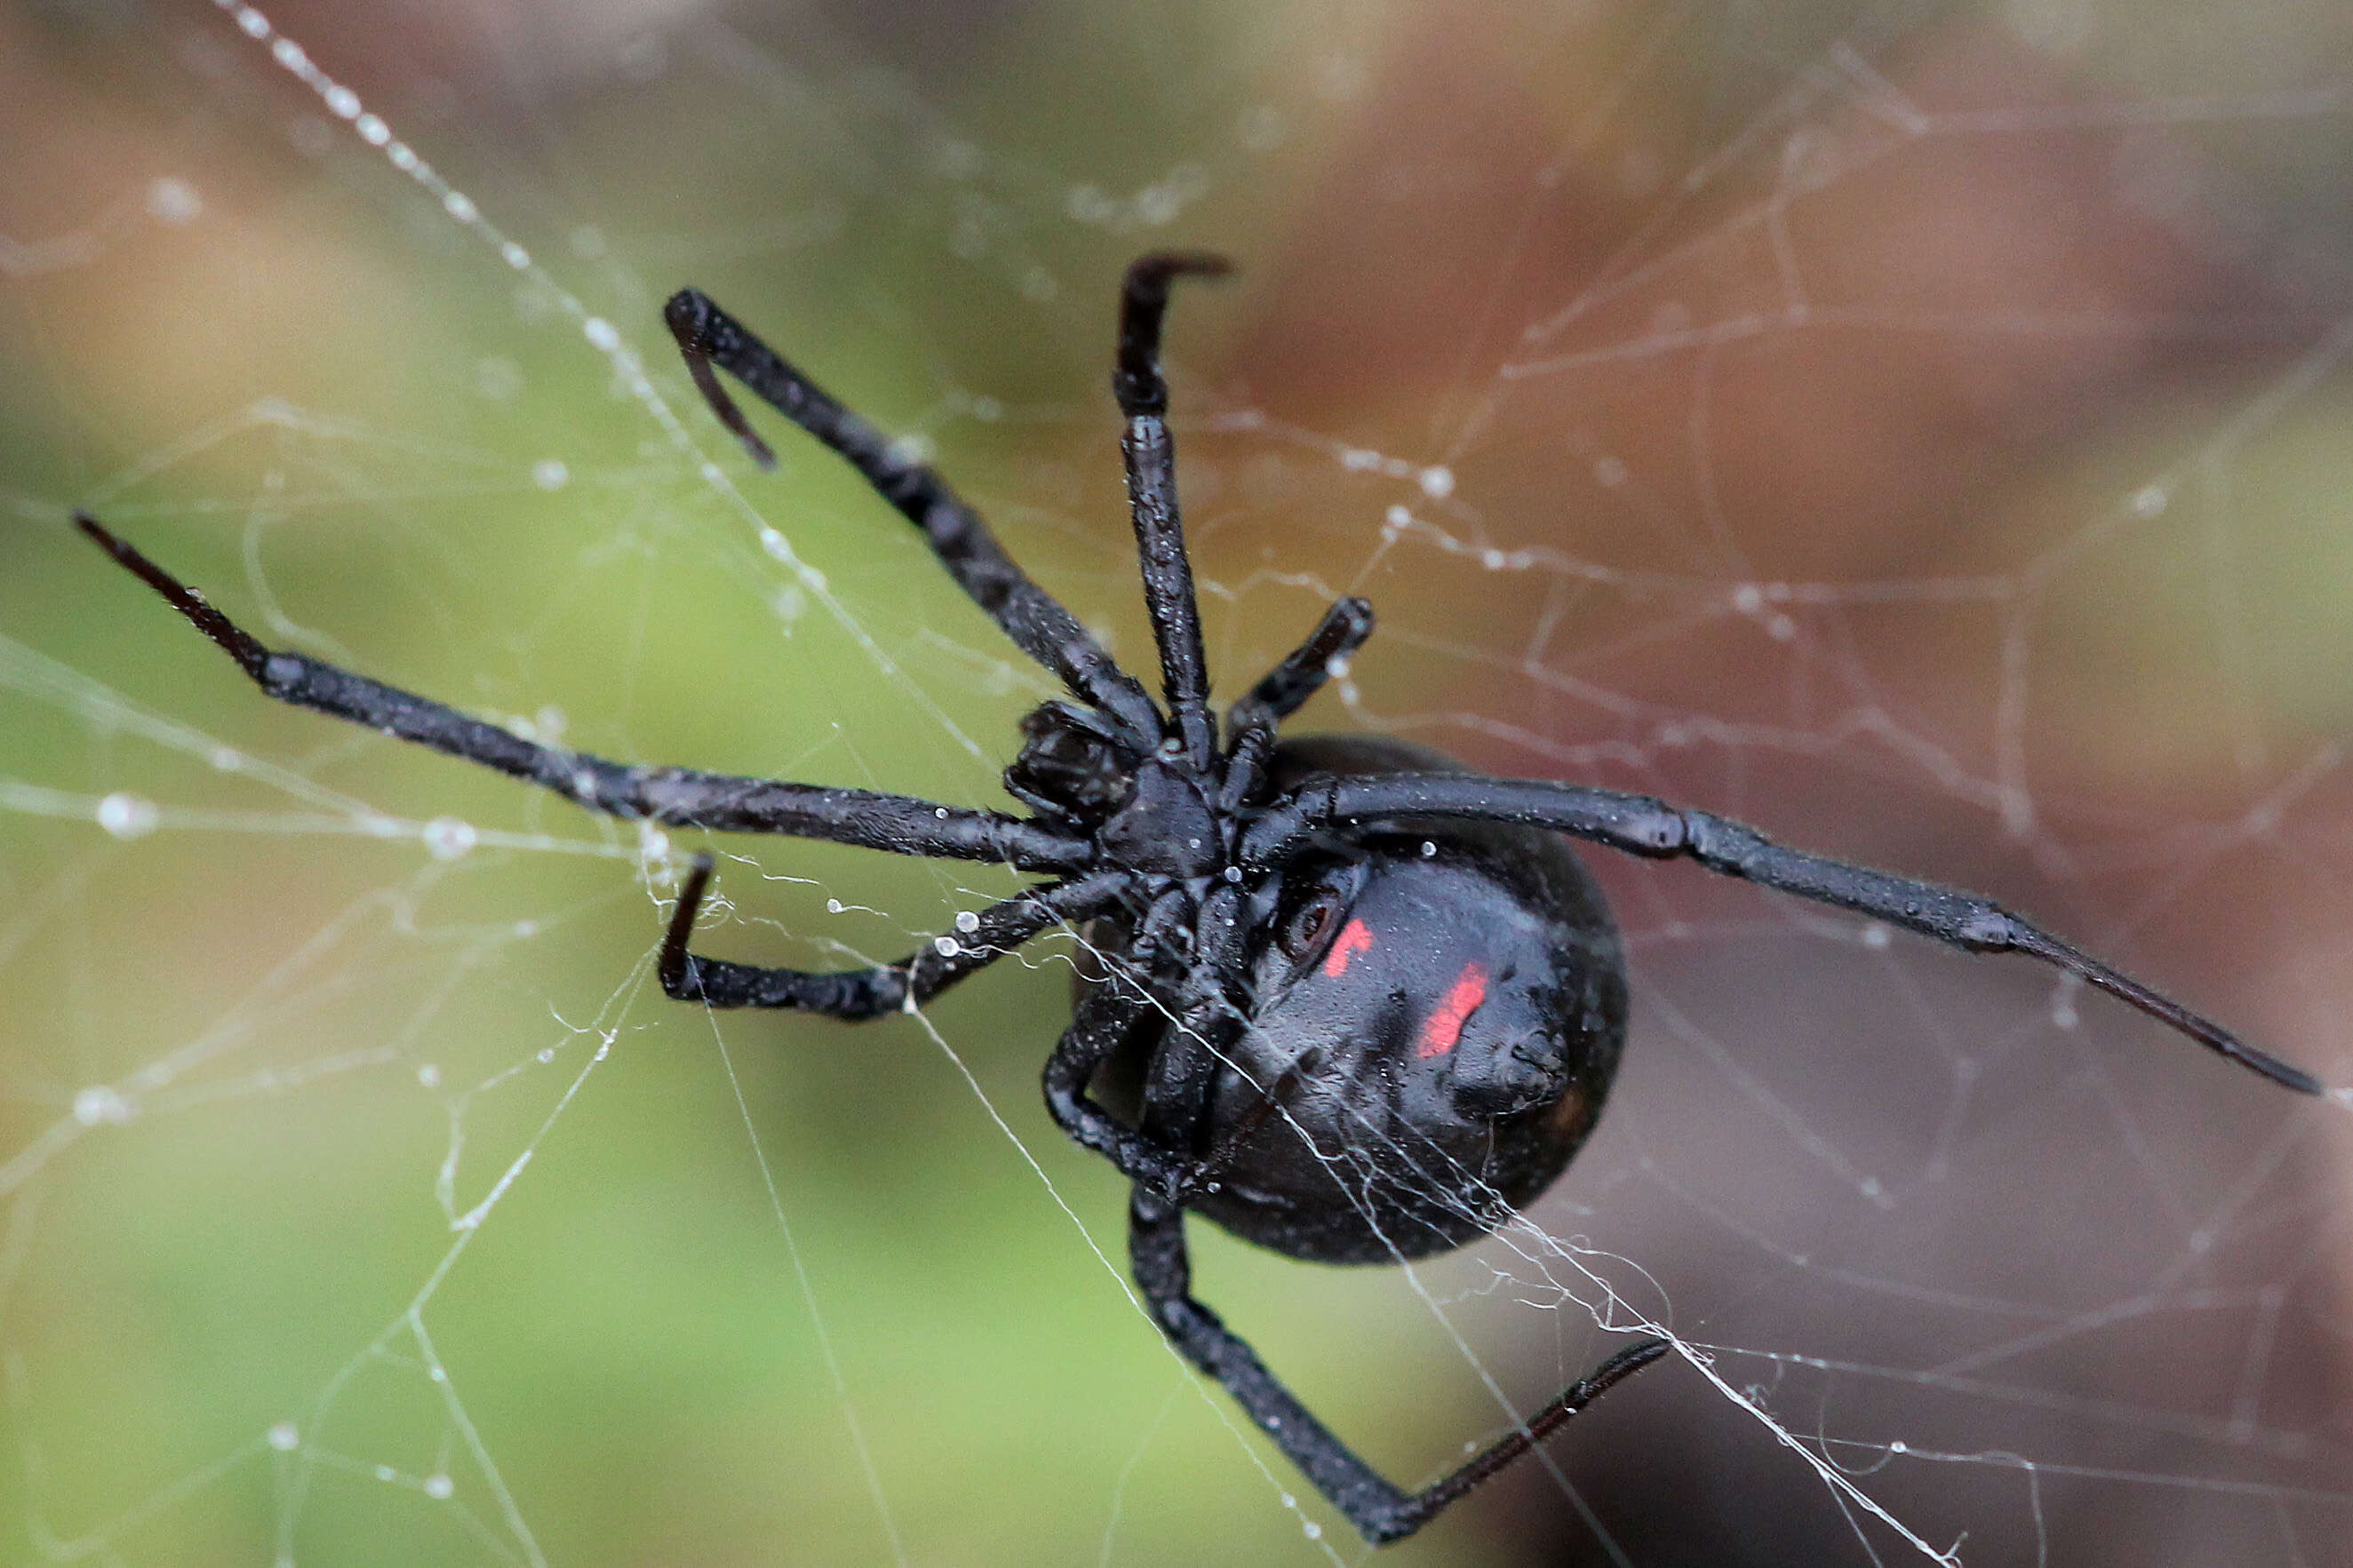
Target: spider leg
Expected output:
[1037,623]
[679,797]
[1380,1511]
[1251,723]
[1182,1077]
[1642,825]
[1103,1022]
[1304,669]
[855,995]
[1152,491]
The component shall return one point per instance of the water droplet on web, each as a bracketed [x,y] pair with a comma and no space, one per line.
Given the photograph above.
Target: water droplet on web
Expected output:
[127,816]
[600,333]
[99,1104]
[285,1436]
[448,838]
[438,1486]
[550,474]
[946,946]
[1438,482]
[966,921]
[428,1075]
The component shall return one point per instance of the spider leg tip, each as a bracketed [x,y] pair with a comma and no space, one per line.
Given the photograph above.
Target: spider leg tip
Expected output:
[685,312]
[2298,1080]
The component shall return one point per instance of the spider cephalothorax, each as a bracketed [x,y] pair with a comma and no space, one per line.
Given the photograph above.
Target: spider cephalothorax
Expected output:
[1343,998]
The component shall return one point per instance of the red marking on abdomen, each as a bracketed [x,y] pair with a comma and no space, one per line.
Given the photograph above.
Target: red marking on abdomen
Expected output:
[1444,1026]
[1354,939]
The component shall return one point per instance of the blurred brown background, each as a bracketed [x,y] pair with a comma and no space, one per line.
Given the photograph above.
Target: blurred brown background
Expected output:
[1918,430]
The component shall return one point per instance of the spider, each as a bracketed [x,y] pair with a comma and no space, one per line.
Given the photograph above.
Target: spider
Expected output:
[1354,1004]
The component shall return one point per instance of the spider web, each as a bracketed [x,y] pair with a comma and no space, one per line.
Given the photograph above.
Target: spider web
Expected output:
[1915,430]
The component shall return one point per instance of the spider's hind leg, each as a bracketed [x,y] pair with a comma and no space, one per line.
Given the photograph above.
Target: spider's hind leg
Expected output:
[1380,1511]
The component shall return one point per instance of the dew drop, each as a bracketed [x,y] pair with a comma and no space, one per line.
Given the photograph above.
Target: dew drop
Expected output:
[127,816]
[448,838]
[99,1104]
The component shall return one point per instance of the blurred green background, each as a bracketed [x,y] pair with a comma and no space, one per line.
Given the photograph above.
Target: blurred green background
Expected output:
[1917,429]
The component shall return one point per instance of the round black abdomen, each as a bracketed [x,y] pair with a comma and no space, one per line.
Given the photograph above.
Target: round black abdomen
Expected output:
[1440,1052]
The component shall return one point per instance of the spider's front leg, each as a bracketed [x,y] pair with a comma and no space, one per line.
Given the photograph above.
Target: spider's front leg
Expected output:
[1151,461]
[676,797]
[962,541]
[1380,1511]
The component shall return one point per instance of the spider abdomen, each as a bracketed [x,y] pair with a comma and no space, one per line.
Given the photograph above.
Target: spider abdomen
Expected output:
[1434,1024]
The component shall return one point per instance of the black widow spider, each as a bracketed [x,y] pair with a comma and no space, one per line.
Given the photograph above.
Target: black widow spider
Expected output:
[1352,1003]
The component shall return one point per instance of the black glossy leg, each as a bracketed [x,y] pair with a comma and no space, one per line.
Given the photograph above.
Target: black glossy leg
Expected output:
[1152,491]
[1181,1078]
[1035,622]
[1380,1511]
[854,995]
[1251,723]
[680,798]
[1283,690]
[1104,1021]
[1642,825]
